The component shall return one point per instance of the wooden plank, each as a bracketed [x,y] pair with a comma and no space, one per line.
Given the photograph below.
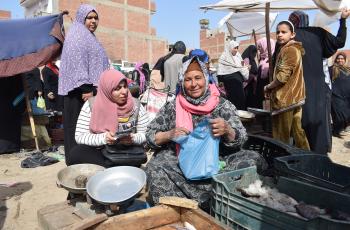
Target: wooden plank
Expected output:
[179,202]
[88,222]
[59,219]
[142,220]
[201,220]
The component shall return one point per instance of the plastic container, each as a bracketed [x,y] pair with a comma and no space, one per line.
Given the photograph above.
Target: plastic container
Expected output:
[315,169]
[269,148]
[238,212]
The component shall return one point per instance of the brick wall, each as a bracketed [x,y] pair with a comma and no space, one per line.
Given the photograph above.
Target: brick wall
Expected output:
[212,43]
[124,28]
[5,14]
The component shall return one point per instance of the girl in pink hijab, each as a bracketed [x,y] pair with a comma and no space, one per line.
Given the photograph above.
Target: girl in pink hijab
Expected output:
[101,120]
[263,69]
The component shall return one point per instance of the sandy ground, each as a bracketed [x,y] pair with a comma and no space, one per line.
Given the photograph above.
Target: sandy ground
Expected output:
[37,187]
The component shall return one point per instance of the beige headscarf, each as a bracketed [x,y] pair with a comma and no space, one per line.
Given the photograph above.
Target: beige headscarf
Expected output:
[229,64]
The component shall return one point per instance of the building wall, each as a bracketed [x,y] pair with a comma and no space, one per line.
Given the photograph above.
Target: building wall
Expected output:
[5,14]
[213,43]
[124,27]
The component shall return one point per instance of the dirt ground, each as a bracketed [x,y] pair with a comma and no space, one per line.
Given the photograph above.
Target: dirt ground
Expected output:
[37,188]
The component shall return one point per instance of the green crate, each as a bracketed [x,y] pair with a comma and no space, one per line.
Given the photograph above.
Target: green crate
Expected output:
[238,212]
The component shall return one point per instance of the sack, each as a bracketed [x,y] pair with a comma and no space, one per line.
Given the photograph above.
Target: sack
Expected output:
[199,153]
[41,103]
[126,155]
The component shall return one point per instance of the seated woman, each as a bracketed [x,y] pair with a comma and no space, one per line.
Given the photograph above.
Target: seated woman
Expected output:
[113,110]
[197,99]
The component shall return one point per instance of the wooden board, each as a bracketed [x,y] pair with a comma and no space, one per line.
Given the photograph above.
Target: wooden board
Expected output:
[143,219]
[179,202]
[63,216]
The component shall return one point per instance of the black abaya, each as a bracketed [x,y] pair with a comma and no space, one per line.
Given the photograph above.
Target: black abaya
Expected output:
[318,44]
[10,115]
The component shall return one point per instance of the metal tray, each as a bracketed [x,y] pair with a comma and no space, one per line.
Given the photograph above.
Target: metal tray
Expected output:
[116,185]
[66,177]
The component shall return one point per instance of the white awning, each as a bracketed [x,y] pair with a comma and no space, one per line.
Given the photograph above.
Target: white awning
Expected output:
[329,7]
[237,23]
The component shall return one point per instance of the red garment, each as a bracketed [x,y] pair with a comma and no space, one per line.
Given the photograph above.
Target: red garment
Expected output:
[53,67]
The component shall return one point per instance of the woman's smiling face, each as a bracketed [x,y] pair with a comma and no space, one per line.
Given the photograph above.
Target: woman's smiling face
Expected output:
[194,83]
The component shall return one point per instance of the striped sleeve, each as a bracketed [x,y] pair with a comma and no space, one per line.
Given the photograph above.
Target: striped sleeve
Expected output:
[143,121]
[82,130]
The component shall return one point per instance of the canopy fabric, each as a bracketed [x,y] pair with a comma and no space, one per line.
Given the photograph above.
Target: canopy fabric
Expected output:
[329,7]
[237,23]
[29,43]
[259,5]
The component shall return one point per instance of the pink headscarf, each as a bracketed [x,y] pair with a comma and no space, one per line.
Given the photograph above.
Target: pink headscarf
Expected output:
[264,57]
[185,109]
[105,112]
[138,67]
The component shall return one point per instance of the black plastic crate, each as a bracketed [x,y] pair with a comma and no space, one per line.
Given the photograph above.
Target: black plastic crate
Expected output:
[315,169]
[269,148]
[238,212]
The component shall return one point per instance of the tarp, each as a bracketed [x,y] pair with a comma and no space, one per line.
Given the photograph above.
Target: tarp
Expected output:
[237,23]
[29,43]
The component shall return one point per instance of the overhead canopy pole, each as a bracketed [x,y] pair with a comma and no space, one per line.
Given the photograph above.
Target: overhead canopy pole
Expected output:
[268,37]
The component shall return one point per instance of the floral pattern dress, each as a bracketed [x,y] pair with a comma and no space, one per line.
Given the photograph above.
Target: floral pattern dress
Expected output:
[164,177]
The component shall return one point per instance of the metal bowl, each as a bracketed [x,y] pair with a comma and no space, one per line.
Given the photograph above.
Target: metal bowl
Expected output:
[116,185]
[66,177]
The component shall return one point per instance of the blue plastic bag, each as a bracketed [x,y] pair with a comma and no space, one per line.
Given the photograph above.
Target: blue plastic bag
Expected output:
[199,153]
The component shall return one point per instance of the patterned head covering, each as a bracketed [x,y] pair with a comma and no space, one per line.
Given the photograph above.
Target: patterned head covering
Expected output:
[299,19]
[204,69]
[83,57]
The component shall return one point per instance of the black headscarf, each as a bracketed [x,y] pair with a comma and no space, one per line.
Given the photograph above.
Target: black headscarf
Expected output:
[250,53]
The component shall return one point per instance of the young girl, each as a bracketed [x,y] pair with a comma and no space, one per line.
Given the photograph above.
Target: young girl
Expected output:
[287,90]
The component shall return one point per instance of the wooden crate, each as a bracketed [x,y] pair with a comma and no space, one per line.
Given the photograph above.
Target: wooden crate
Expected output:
[162,217]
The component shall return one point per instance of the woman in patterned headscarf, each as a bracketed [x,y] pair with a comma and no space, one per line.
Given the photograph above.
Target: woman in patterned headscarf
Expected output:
[82,62]
[196,100]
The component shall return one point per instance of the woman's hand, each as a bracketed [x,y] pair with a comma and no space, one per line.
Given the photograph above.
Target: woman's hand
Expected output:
[218,126]
[165,137]
[126,140]
[176,132]
[86,96]
[267,91]
[221,128]
[110,139]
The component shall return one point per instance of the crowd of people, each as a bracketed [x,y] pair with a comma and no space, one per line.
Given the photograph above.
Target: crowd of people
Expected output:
[106,124]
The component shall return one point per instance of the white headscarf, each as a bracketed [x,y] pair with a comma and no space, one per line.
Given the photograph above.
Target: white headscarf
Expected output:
[229,64]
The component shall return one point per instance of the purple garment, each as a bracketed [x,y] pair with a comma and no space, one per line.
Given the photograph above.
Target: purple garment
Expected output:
[138,67]
[83,57]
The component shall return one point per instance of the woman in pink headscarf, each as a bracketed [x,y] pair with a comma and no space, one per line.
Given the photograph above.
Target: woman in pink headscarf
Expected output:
[263,69]
[112,118]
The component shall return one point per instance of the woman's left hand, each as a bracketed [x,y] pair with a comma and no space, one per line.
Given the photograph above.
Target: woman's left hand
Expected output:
[219,127]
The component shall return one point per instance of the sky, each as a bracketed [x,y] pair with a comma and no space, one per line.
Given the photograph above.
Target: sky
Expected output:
[178,19]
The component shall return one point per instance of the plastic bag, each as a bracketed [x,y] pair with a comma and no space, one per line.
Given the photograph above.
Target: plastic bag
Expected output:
[199,153]
[35,109]
[41,103]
